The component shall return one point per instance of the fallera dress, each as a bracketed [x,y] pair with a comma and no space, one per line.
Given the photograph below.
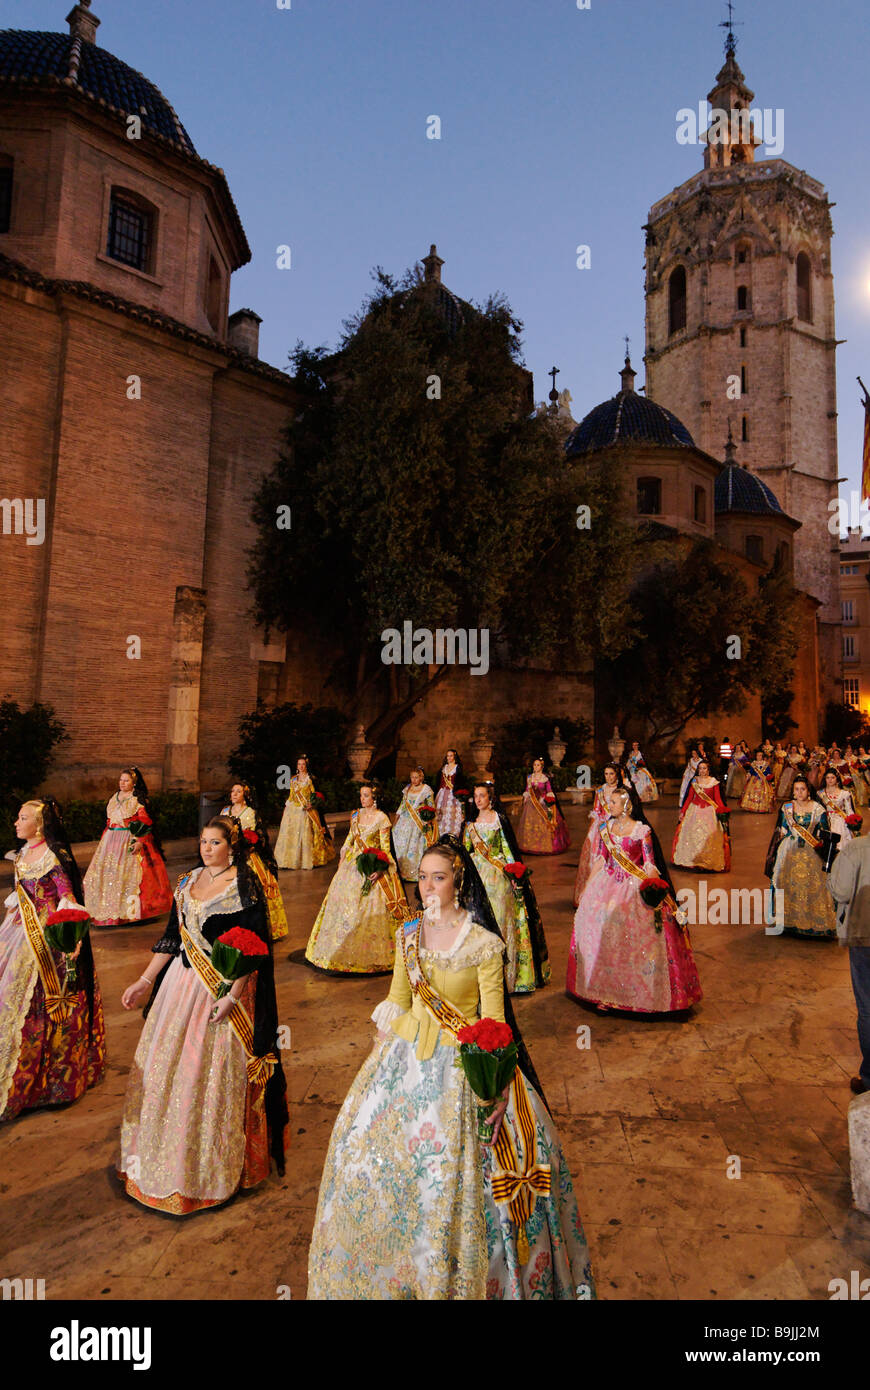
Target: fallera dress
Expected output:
[450,808]
[206,1108]
[644,782]
[794,867]
[736,779]
[701,840]
[411,833]
[51,1050]
[527,965]
[623,954]
[355,931]
[268,882]
[597,816]
[406,1207]
[541,827]
[838,807]
[126,880]
[758,792]
[302,842]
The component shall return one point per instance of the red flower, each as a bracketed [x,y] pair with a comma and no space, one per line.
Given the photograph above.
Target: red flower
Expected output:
[318,796]
[487,1034]
[462,792]
[854,821]
[655,882]
[68,914]
[143,816]
[516,870]
[550,799]
[240,939]
[251,836]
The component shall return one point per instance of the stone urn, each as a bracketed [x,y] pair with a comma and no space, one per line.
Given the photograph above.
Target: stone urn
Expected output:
[616,745]
[481,751]
[359,754]
[556,749]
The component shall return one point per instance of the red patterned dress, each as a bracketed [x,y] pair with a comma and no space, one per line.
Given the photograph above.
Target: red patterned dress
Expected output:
[127,879]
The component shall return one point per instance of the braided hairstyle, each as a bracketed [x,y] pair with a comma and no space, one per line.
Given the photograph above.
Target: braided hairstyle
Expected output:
[473,897]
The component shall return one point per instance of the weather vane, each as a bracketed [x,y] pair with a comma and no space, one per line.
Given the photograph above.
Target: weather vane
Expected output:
[730,41]
[627,348]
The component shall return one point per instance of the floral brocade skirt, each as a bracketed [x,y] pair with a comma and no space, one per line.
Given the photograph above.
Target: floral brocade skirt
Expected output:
[406,1210]
[510,912]
[193,1130]
[644,785]
[757,795]
[126,885]
[43,1061]
[274,902]
[451,813]
[538,836]
[297,845]
[700,841]
[808,908]
[354,933]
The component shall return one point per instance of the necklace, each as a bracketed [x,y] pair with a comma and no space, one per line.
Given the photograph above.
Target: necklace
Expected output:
[218,874]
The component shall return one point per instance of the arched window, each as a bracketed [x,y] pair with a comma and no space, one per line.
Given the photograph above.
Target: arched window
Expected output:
[804,288]
[742,299]
[6,165]
[755,549]
[649,496]
[132,228]
[214,294]
[677,300]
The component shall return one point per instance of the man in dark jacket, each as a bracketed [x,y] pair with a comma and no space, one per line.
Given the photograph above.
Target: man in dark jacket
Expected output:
[850,885]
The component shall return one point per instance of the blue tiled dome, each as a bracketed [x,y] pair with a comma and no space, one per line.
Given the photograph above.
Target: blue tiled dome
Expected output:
[627,418]
[48,59]
[738,490]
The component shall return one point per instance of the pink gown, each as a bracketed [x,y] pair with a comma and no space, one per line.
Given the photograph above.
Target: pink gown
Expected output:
[623,954]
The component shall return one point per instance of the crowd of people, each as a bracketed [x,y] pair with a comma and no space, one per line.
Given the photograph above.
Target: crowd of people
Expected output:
[441,899]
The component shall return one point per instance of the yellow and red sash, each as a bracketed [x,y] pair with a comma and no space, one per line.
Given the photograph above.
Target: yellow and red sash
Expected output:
[299,798]
[259,1069]
[519,1182]
[481,845]
[541,806]
[629,866]
[57,1003]
[430,830]
[388,882]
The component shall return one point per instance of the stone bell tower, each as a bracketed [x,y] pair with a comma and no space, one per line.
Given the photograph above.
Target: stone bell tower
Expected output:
[740,329]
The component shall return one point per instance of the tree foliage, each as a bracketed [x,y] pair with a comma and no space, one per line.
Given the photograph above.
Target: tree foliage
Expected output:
[28,739]
[451,512]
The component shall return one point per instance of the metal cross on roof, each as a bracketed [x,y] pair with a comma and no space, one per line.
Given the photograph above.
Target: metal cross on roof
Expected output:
[730,41]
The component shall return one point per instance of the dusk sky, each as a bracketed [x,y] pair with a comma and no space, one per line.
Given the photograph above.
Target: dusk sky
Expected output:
[558,128]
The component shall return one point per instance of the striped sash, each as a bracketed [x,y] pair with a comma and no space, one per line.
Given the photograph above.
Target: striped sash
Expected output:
[806,835]
[58,1005]
[541,807]
[388,882]
[481,845]
[431,830]
[259,1069]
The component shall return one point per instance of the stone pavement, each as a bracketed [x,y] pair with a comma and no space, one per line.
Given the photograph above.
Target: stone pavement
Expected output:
[652,1116]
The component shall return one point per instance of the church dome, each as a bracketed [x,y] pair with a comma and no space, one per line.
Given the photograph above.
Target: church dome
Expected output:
[738,490]
[69,61]
[627,418]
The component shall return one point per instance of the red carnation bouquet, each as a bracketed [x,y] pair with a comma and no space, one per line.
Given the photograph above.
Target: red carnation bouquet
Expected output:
[426,814]
[550,799]
[251,836]
[854,822]
[371,864]
[236,953]
[516,874]
[488,1054]
[653,891]
[64,929]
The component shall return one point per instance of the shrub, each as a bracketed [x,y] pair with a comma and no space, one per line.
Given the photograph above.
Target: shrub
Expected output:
[269,739]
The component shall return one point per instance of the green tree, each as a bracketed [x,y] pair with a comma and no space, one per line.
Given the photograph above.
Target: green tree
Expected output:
[686,664]
[270,739]
[453,511]
[844,724]
[28,739]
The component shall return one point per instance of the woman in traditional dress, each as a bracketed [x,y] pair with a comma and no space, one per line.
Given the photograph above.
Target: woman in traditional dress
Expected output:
[758,792]
[489,839]
[303,840]
[451,795]
[412,1205]
[837,802]
[628,948]
[416,824]
[861,788]
[795,869]
[52,1034]
[818,761]
[206,1104]
[260,856]
[702,840]
[857,784]
[126,880]
[691,768]
[736,779]
[355,930]
[541,827]
[599,813]
[791,768]
[777,764]
[643,780]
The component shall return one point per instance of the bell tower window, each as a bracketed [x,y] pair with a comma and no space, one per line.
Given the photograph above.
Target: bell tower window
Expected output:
[649,496]
[804,288]
[755,549]
[5,192]
[742,299]
[677,300]
[132,223]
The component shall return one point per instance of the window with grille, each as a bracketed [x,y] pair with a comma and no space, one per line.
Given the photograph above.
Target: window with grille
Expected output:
[848,607]
[649,496]
[849,648]
[5,192]
[851,691]
[131,226]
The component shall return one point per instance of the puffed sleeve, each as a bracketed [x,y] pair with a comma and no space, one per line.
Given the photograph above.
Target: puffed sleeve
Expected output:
[61,882]
[649,859]
[398,1001]
[490,982]
[384,837]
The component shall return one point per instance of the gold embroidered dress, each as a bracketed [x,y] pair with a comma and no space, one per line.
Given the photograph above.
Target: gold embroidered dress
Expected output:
[355,931]
[758,791]
[412,835]
[808,907]
[524,938]
[247,819]
[301,842]
[406,1207]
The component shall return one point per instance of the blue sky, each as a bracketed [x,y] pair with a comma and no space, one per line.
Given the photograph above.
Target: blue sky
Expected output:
[557,128]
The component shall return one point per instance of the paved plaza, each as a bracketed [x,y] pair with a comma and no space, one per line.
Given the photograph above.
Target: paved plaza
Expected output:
[652,1116]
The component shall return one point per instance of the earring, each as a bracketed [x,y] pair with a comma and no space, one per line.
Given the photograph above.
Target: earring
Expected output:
[231,859]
